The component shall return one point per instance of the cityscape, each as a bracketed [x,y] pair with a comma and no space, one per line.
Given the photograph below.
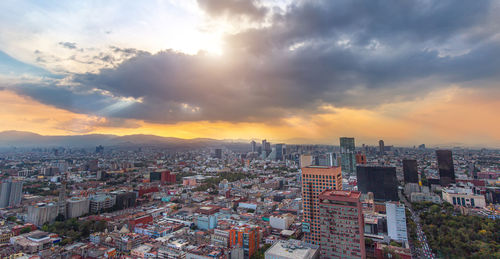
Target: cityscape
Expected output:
[249,129]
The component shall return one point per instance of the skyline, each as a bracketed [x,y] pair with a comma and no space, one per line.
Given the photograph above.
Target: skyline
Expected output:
[409,73]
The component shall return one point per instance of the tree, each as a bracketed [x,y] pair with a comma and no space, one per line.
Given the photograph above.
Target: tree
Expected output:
[25,230]
[60,217]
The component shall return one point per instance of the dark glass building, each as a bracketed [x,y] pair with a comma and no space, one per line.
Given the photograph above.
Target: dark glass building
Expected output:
[445,165]
[124,199]
[379,180]
[410,170]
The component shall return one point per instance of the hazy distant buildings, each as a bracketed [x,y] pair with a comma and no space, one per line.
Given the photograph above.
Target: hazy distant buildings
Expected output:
[410,171]
[11,192]
[218,153]
[348,155]
[379,180]
[341,225]
[254,146]
[445,166]
[396,221]
[316,179]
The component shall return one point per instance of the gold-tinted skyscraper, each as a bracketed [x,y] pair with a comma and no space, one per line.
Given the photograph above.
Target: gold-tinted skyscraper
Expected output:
[316,179]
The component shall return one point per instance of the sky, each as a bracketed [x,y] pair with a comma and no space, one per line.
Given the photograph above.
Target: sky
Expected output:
[303,71]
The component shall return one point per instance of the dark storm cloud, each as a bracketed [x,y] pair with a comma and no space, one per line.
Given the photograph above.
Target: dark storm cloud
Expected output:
[343,53]
[234,8]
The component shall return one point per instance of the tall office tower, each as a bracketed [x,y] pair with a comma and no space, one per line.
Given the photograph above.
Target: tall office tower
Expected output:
[396,221]
[306,160]
[347,153]
[254,146]
[218,153]
[379,180]
[381,148]
[61,202]
[410,170]
[266,147]
[446,168]
[316,179]
[342,225]
[11,193]
[279,151]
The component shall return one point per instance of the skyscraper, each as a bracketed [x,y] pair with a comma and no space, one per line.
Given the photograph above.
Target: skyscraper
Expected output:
[279,151]
[348,155]
[396,221]
[379,180]
[342,225]
[11,193]
[316,179]
[254,146]
[410,171]
[381,148]
[61,203]
[446,168]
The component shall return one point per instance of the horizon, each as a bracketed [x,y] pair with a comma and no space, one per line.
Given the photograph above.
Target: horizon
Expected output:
[423,72]
[247,141]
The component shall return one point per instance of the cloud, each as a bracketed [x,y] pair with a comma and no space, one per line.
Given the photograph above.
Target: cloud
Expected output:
[354,54]
[251,9]
[68,45]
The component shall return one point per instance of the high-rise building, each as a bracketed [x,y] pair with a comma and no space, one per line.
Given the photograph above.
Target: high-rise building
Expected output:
[306,160]
[254,146]
[77,206]
[11,192]
[361,159]
[396,221]
[279,151]
[446,168]
[342,225]
[381,148]
[379,180]
[347,153]
[42,213]
[410,170]
[61,202]
[124,199]
[316,179]
[246,237]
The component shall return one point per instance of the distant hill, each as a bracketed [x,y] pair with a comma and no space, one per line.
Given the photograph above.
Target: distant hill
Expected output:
[29,139]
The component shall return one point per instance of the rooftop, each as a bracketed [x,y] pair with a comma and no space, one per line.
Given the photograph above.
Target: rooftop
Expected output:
[293,249]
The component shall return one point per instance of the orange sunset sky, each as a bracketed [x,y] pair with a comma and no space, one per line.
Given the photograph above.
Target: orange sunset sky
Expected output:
[288,71]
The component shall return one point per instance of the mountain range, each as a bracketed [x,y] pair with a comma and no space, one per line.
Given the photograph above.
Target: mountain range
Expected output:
[29,139]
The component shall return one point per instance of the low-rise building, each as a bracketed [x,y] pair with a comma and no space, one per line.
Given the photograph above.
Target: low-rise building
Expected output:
[292,249]
[34,242]
[463,196]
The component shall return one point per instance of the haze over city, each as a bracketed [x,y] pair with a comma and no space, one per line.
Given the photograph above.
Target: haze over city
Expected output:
[410,72]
